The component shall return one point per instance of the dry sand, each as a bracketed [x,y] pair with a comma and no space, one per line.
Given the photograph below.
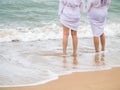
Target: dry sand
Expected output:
[97,80]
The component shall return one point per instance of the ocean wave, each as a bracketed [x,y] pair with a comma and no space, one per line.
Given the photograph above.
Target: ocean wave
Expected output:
[51,31]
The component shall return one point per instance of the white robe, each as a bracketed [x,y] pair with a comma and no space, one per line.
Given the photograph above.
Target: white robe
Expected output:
[97,13]
[69,11]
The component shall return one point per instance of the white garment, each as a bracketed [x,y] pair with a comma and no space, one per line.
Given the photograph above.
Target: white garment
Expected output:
[97,12]
[69,11]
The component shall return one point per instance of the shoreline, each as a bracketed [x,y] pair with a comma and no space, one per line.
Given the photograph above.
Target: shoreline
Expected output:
[94,80]
[36,59]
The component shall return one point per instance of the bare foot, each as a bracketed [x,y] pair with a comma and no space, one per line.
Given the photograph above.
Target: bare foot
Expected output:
[65,55]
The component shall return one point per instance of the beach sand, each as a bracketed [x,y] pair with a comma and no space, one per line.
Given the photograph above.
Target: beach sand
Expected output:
[96,80]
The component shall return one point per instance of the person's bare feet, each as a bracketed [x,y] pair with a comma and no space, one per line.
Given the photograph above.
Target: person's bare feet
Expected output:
[64,55]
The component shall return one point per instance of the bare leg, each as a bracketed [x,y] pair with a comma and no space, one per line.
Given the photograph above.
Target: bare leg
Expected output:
[96,59]
[102,38]
[65,39]
[96,44]
[75,41]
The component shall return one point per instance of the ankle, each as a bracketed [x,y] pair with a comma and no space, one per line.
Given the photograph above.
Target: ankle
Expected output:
[64,53]
[97,51]
[102,49]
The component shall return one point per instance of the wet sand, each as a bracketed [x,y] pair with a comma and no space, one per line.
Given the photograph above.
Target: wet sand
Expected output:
[96,80]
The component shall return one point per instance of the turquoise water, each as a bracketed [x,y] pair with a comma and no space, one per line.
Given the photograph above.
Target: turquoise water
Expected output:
[38,13]
[114,11]
[27,13]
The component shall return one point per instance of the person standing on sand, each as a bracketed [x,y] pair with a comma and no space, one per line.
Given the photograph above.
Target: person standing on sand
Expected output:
[69,12]
[97,12]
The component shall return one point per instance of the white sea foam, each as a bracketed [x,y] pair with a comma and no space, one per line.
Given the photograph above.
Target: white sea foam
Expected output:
[51,32]
[34,63]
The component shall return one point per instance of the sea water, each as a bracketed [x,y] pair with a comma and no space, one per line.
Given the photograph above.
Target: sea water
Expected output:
[30,43]
[30,20]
